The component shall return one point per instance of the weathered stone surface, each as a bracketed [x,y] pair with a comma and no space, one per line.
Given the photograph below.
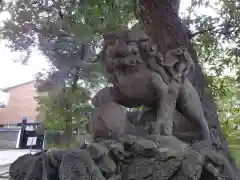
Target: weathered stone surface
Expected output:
[141,146]
[78,165]
[138,145]
[107,125]
[141,75]
[168,159]
[20,168]
[100,154]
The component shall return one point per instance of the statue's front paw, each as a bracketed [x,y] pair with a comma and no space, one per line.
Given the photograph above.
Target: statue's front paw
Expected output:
[98,100]
[103,96]
[119,152]
[95,101]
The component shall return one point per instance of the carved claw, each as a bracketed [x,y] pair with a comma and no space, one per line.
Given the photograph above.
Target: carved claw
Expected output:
[209,167]
[118,151]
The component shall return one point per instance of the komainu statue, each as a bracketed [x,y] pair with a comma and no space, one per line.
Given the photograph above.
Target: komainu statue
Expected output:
[141,76]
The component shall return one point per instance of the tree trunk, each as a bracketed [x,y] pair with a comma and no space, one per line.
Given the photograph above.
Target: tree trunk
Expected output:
[162,23]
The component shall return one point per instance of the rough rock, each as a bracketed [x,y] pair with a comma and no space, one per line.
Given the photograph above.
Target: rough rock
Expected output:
[150,149]
[19,168]
[168,159]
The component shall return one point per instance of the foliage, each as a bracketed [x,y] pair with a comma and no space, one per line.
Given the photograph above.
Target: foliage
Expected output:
[215,33]
[46,20]
[53,139]
[68,35]
[56,111]
[226,93]
[44,23]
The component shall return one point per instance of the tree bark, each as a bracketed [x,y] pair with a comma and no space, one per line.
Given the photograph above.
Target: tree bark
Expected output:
[162,23]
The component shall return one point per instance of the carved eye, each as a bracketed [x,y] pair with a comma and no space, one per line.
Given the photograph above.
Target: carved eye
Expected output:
[129,42]
[153,48]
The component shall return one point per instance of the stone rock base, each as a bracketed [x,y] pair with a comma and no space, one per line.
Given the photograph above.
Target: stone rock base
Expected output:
[153,158]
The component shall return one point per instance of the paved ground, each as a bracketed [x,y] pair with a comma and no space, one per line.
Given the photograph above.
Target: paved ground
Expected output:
[9,156]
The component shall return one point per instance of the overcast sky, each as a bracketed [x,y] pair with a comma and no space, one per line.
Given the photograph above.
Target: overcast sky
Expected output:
[12,73]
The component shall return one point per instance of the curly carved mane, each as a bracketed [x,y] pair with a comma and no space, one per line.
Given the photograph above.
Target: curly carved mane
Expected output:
[121,66]
[148,55]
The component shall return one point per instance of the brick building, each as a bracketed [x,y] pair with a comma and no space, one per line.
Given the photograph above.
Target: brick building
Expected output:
[21,103]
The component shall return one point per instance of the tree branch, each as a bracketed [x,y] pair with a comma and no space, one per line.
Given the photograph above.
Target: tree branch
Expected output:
[223,29]
[193,34]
